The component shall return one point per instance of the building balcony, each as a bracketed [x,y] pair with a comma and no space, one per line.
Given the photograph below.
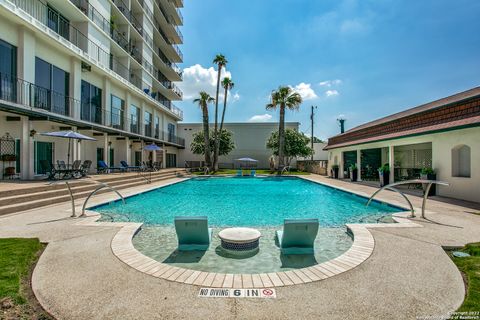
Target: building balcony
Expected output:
[28,94]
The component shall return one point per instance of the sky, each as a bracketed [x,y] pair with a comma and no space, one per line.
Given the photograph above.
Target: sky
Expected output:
[359,59]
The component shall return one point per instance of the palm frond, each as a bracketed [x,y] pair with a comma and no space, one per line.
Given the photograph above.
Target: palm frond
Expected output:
[220,60]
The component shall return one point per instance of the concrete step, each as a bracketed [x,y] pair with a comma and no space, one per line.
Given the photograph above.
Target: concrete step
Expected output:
[81,192]
[54,191]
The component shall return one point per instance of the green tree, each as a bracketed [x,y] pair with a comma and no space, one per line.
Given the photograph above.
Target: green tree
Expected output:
[220,61]
[283,98]
[296,145]
[203,101]
[226,144]
[227,84]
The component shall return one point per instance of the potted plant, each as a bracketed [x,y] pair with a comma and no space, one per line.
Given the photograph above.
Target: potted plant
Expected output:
[384,174]
[335,168]
[353,169]
[9,157]
[428,174]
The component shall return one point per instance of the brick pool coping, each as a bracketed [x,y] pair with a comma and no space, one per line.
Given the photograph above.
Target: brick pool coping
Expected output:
[361,249]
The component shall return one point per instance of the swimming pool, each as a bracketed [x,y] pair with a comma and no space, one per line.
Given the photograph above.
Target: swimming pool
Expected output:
[254,202]
[261,202]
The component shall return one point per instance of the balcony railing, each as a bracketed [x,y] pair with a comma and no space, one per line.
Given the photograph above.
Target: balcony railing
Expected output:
[28,94]
[148,129]
[40,11]
[170,137]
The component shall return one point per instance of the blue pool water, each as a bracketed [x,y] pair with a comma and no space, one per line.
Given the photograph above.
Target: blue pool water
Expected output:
[256,202]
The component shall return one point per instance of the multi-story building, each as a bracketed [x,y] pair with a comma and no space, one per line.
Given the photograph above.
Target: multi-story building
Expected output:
[104,68]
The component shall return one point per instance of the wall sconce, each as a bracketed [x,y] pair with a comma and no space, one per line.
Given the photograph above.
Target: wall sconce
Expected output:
[130,146]
[109,143]
[33,133]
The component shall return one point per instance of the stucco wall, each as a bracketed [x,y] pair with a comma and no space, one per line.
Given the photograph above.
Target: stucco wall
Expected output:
[442,145]
[250,141]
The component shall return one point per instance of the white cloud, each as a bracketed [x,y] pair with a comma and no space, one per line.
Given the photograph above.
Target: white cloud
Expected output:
[260,118]
[331,93]
[236,97]
[330,83]
[305,91]
[197,78]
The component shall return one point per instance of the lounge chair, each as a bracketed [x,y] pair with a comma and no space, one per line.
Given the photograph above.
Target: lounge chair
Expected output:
[253,173]
[239,172]
[103,168]
[125,165]
[298,236]
[193,233]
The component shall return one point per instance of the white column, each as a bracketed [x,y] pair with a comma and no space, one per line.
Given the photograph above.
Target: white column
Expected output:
[164,160]
[391,162]
[25,157]
[359,165]
[128,151]
[106,102]
[75,87]
[105,148]
[26,55]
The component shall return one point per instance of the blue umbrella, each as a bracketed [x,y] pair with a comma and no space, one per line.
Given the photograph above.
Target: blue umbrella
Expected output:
[152,147]
[68,135]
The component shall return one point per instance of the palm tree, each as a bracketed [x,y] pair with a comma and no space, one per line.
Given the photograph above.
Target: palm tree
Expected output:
[227,84]
[284,97]
[203,101]
[220,61]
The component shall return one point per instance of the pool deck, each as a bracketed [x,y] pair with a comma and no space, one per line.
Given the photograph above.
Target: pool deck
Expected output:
[407,274]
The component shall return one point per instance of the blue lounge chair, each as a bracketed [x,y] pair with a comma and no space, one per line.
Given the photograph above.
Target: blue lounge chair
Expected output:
[253,173]
[125,165]
[298,236]
[239,172]
[103,168]
[193,233]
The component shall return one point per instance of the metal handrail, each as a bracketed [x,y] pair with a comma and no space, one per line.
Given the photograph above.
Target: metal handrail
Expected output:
[72,198]
[102,185]
[286,168]
[391,186]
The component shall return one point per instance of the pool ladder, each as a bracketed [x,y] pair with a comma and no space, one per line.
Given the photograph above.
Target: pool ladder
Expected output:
[392,186]
[101,185]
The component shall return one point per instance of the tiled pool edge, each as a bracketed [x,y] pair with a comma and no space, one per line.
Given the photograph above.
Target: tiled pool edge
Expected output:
[361,249]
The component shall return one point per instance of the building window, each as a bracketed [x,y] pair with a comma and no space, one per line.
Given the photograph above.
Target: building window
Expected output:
[134,119]
[52,88]
[117,112]
[157,128]
[171,132]
[8,71]
[148,124]
[58,23]
[461,162]
[91,100]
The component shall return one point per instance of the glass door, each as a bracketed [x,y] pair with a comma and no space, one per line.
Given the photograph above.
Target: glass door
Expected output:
[43,151]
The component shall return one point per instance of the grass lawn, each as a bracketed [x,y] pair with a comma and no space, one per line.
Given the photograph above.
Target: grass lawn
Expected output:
[246,172]
[17,257]
[470,267]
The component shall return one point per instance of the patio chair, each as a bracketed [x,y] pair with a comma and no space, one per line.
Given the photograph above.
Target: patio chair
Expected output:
[239,172]
[61,165]
[298,236]
[193,233]
[157,165]
[125,165]
[253,173]
[85,167]
[48,168]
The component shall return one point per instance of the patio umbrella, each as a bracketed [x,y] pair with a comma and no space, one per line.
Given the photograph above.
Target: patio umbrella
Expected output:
[246,160]
[70,135]
[152,147]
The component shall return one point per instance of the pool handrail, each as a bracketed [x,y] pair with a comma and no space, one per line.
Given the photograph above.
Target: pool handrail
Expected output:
[391,186]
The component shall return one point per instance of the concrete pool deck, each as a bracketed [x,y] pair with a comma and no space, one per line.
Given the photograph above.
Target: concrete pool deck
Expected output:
[407,275]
